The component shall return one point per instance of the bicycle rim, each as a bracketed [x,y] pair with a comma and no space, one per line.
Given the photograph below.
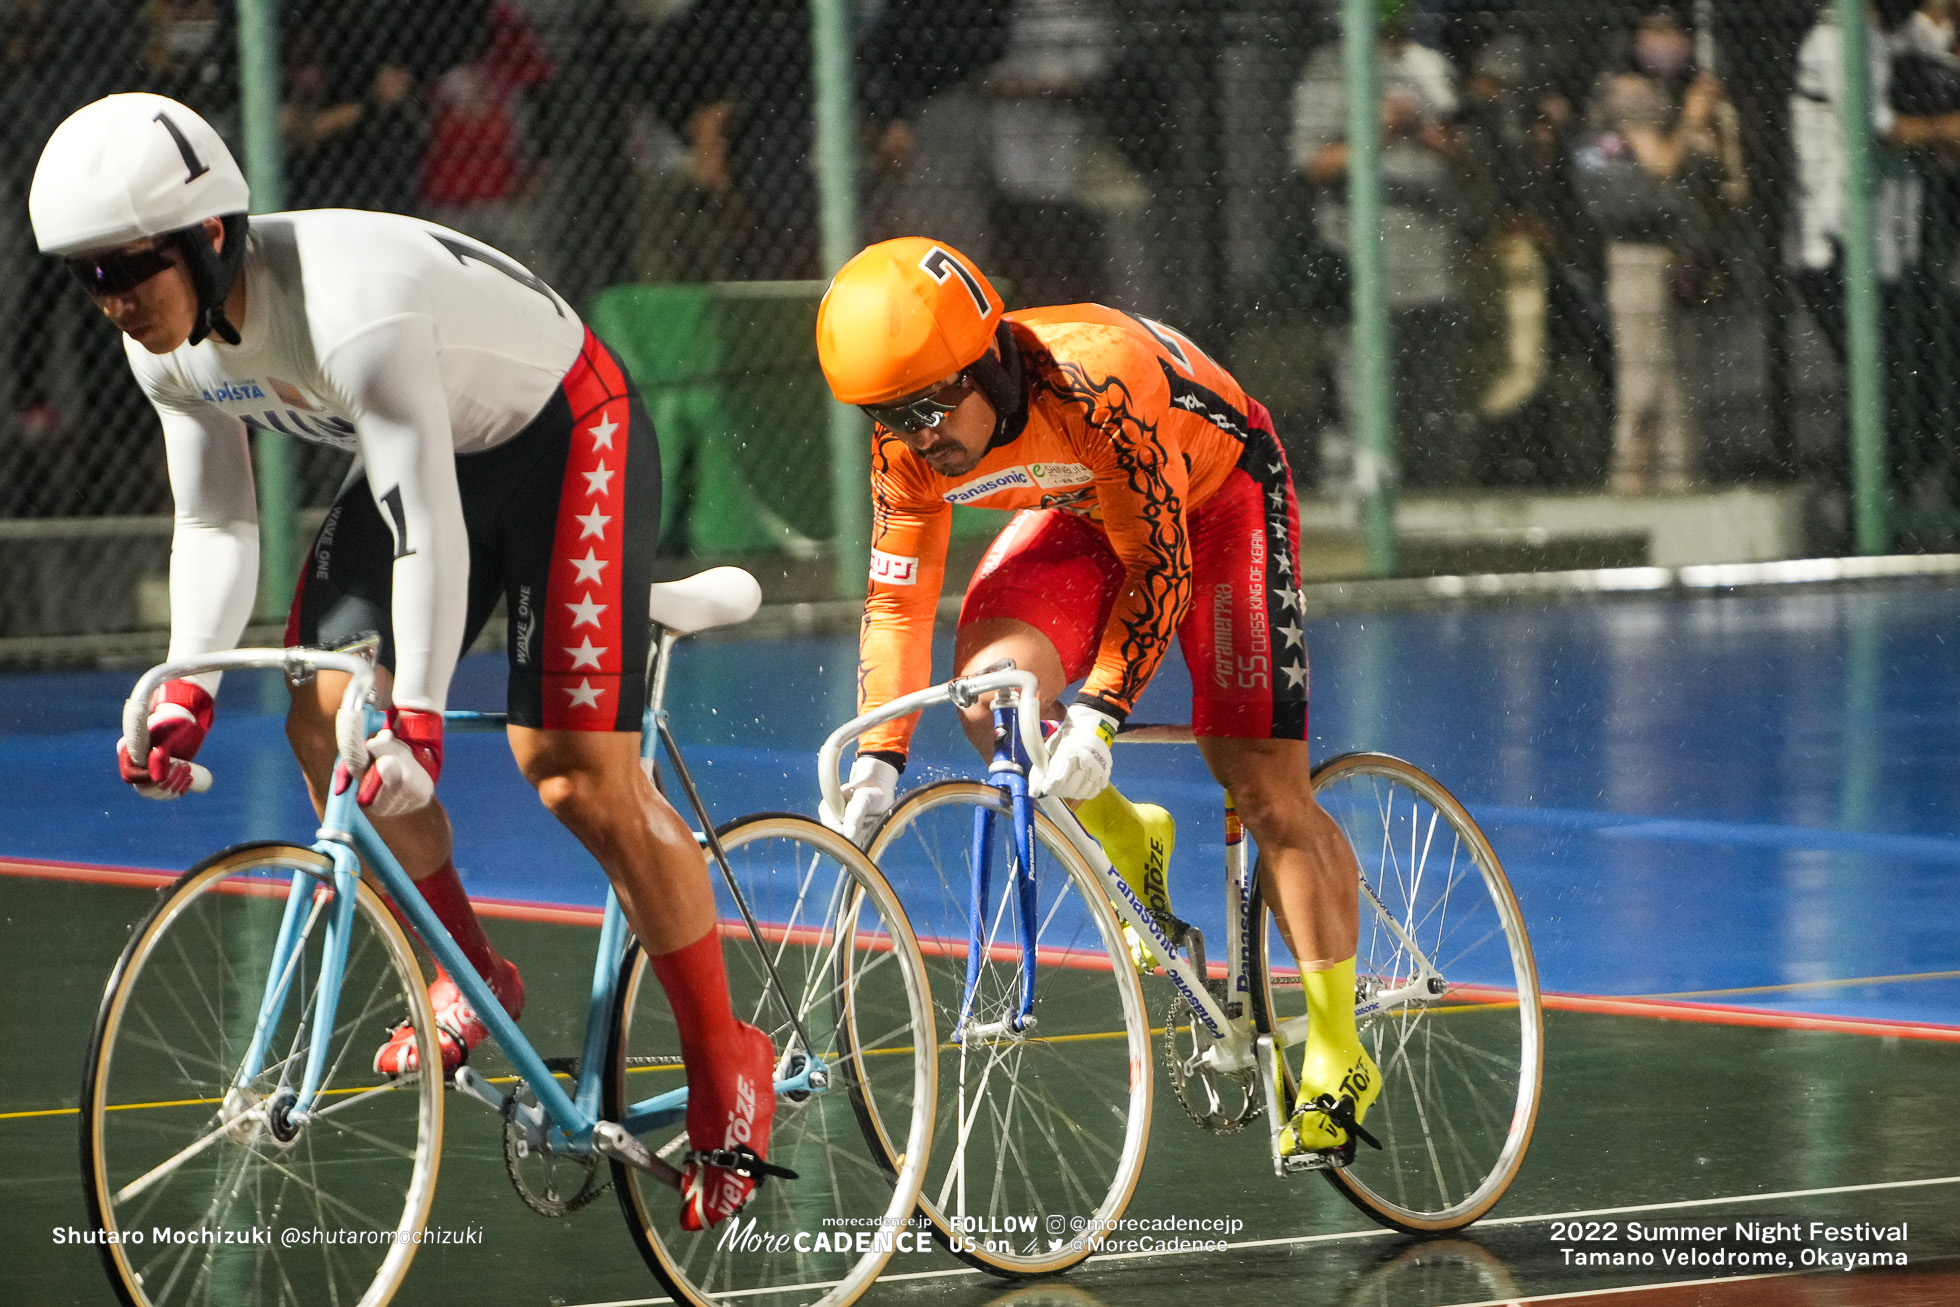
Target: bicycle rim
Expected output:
[172,1142]
[848,961]
[1461,1071]
[1041,1136]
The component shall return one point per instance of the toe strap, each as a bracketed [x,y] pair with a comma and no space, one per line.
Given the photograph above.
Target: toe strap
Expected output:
[1341,1113]
[742,1160]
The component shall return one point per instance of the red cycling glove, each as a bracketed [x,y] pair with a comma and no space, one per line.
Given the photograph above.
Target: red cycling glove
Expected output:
[180,717]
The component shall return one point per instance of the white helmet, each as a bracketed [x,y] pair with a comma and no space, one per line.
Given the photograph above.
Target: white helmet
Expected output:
[130,167]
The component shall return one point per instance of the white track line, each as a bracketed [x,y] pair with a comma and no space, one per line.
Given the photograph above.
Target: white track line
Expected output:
[1628,1288]
[1347,1235]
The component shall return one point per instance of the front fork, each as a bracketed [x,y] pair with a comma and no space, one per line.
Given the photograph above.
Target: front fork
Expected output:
[306,900]
[1008,773]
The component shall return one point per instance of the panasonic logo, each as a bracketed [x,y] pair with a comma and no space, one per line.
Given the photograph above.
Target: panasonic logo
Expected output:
[1013,478]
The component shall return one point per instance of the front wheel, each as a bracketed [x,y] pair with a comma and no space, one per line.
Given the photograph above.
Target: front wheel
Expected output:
[1462,1061]
[838,939]
[184,1132]
[1042,1123]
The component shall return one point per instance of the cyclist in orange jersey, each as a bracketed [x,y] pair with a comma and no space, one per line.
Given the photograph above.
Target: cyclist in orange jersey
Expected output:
[1155,501]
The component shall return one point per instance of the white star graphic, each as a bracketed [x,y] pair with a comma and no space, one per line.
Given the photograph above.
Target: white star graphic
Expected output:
[586,655]
[1283,562]
[602,432]
[1293,598]
[1295,676]
[598,483]
[1277,495]
[585,694]
[592,524]
[589,566]
[1277,468]
[585,612]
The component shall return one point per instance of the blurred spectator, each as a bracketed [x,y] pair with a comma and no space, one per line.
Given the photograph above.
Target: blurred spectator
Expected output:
[1549,357]
[732,79]
[1915,309]
[190,53]
[927,132]
[353,122]
[478,169]
[1650,176]
[61,369]
[1048,238]
[1422,246]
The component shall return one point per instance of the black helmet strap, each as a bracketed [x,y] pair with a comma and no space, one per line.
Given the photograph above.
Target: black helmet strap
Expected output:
[213,273]
[1004,384]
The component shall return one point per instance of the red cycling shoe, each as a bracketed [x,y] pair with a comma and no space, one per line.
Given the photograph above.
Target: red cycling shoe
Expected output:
[728,1123]
[458,1028]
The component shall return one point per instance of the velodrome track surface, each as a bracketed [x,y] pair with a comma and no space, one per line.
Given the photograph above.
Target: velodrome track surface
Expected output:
[1729,820]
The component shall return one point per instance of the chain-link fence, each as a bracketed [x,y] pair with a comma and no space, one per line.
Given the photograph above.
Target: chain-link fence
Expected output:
[1614,238]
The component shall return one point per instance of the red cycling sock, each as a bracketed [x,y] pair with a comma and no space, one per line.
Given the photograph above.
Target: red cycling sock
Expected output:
[444,893]
[696,982]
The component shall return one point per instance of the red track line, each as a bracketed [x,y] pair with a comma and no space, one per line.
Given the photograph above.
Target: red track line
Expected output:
[1605,1005]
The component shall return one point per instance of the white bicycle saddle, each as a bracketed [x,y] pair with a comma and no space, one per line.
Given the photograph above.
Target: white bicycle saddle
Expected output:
[720,596]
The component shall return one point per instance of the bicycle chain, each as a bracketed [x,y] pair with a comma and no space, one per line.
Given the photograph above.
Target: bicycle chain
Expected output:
[545,1199]
[1180,1025]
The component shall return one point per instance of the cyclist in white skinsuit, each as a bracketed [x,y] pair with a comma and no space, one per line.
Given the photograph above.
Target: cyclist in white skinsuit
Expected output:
[501,452]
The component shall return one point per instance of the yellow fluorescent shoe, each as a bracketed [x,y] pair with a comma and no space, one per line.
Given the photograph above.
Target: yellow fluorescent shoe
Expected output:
[1330,1094]
[1139,838]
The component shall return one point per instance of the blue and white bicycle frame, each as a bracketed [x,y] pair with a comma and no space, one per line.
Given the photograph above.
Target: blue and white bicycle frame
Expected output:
[347,839]
[1222,1009]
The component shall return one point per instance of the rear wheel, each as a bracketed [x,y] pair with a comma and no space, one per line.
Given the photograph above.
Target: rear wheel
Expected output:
[847,959]
[1041,1130]
[176,1138]
[1461,1066]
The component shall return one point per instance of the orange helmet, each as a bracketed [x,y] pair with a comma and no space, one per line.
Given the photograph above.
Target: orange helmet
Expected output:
[902,316]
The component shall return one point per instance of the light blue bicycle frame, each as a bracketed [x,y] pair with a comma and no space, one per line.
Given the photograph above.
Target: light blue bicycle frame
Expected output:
[347,839]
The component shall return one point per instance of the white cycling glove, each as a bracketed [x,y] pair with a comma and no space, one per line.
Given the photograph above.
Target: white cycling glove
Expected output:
[1078,754]
[868,796]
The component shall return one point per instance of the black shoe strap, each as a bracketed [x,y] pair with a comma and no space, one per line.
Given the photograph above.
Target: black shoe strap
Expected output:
[743,1161]
[1342,1114]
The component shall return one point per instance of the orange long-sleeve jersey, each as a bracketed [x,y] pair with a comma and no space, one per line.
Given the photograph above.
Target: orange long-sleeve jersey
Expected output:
[1129,425]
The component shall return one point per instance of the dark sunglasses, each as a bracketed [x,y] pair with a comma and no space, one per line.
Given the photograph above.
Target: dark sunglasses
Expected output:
[928,410]
[119,272]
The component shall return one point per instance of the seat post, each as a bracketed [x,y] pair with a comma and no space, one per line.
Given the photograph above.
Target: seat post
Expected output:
[662,646]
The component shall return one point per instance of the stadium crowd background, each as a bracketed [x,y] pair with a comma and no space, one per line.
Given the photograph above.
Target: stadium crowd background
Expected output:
[1608,263]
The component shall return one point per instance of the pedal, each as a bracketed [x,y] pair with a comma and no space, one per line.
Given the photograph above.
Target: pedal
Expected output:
[1326,1159]
[617,1143]
[470,1081]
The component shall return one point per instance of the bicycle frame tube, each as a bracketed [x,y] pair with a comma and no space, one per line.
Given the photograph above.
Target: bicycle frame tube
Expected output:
[344,824]
[1183,976]
[599,1007]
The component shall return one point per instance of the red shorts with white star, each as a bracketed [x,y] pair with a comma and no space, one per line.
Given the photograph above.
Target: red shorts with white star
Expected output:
[1243,636]
[562,521]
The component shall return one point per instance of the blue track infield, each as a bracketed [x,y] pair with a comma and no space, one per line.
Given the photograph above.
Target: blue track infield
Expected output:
[1721,793]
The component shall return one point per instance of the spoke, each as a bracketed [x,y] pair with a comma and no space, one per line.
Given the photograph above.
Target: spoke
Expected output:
[183,1155]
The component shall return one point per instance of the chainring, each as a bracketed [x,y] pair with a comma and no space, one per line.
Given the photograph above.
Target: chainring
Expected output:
[1221,1103]
[551,1183]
